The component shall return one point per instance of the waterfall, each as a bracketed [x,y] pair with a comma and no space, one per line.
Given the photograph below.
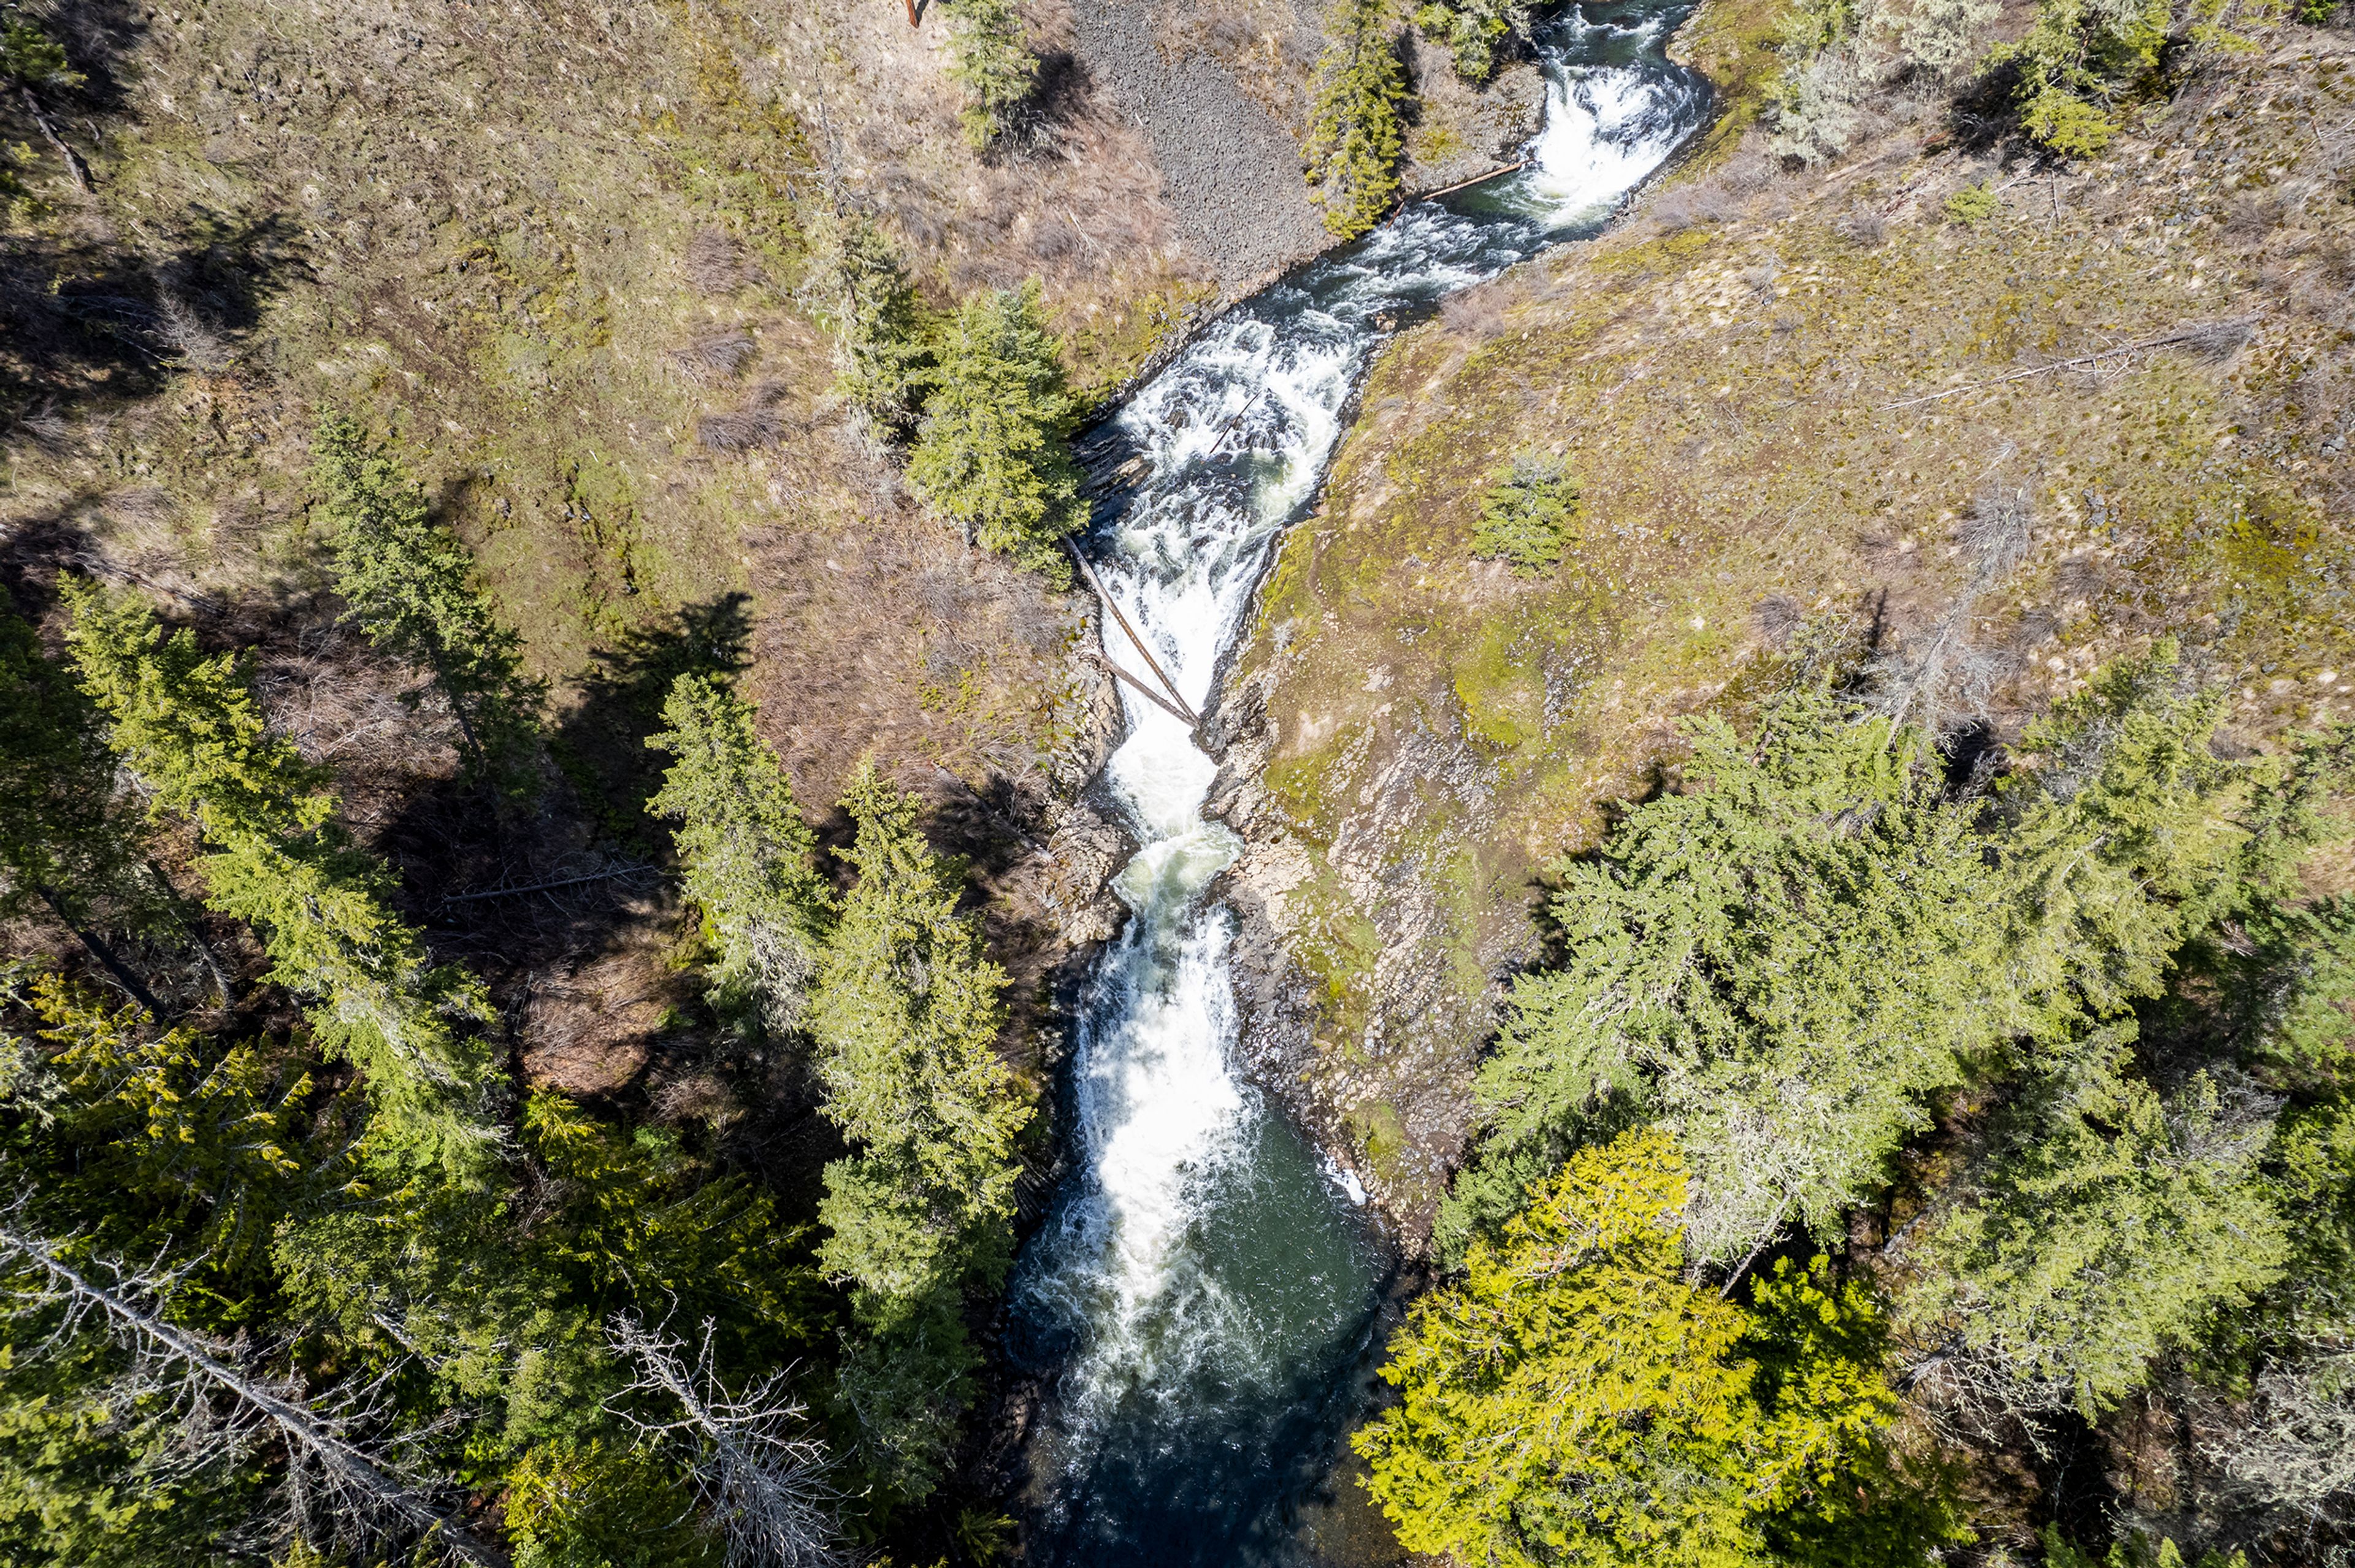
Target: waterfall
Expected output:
[1202,1291]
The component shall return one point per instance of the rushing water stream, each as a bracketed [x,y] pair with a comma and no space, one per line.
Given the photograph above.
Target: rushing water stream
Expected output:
[1203,1290]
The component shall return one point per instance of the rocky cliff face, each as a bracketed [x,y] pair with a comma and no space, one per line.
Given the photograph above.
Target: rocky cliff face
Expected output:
[1781,392]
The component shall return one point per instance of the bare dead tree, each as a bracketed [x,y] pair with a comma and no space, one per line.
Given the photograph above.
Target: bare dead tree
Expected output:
[759,1472]
[1944,676]
[2297,1449]
[1970,1396]
[364,1490]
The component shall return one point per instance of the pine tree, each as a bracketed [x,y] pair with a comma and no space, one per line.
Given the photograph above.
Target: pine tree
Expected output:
[997,73]
[189,726]
[993,454]
[1354,140]
[875,315]
[407,583]
[746,850]
[1576,1400]
[906,1015]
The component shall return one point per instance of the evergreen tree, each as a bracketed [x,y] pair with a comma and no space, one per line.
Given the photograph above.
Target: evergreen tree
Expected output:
[30,57]
[1782,966]
[1354,140]
[2113,1224]
[1786,963]
[407,583]
[876,317]
[1526,518]
[1473,31]
[990,61]
[130,1139]
[906,1015]
[746,850]
[65,847]
[2068,69]
[993,454]
[189,726]
[1576,1400]
[2125,836]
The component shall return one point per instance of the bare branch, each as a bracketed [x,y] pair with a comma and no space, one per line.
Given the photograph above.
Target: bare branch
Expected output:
[759,1472]
[362,1486]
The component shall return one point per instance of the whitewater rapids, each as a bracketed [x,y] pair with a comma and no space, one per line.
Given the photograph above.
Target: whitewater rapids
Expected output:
[1202,1291]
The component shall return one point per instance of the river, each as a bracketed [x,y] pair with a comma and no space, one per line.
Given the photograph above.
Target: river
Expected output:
[1204,1293]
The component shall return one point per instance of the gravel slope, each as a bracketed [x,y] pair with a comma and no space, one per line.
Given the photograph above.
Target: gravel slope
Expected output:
[1230,172]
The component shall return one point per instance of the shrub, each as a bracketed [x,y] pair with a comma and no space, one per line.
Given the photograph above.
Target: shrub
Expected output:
[1526,520]
[997,73]
[1973,203]
[991,454]
[1817,115]
[1934,37]
[1354,140]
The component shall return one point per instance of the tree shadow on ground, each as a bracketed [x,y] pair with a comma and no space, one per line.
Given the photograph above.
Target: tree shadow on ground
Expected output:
[599,743]
[89,320]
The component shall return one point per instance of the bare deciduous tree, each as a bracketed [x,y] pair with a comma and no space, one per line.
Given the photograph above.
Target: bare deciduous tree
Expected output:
[759,1470]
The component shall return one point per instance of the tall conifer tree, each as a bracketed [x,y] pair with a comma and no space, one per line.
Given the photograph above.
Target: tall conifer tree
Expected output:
[410,584]
[746,850]
[993,454]
[189,726]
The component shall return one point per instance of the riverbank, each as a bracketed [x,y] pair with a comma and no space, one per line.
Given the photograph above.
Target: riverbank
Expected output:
[1777,391]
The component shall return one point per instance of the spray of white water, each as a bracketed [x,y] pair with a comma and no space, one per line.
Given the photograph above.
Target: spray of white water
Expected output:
[1144,1279]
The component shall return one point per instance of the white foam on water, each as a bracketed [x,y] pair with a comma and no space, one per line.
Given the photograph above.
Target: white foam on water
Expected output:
[1236,433]
[1606,129]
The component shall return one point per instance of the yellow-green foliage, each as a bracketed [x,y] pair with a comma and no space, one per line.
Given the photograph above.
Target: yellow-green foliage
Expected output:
[571,1504]
[30,58]
[1973,203]
[1576,1400]
[1526,518]
[1355,138]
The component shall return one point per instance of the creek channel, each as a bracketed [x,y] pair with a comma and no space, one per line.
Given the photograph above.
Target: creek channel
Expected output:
[1203,1298]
